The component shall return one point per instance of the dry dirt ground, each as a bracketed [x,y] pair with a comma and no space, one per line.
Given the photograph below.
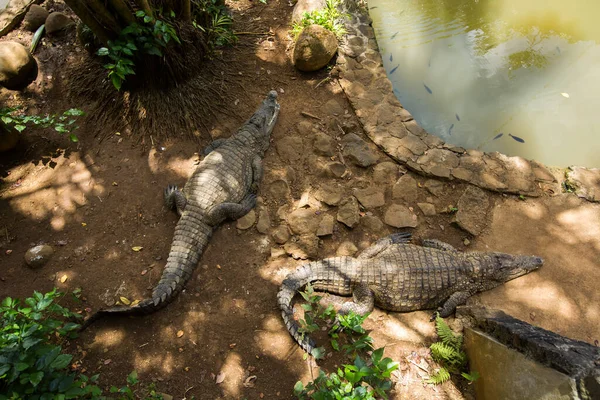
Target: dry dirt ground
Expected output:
[94,201]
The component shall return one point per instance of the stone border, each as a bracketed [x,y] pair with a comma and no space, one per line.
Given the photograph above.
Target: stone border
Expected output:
[394,130]
[14,12]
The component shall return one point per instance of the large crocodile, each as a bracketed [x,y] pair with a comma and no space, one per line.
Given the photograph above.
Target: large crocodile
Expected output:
[224,185]
[398,276]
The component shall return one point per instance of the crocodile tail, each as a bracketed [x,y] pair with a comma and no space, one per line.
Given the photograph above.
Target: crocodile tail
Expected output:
[190,240]
[291,284]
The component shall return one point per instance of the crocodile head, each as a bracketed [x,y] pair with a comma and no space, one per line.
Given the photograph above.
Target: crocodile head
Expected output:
[264,120]
[506,267]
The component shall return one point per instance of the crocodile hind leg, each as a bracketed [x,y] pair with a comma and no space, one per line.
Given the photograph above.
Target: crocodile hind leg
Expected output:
[175,199]
[223,211]
[456,299]
[382,244]
[437,244]
[257,173]
[213,145]
[363,301]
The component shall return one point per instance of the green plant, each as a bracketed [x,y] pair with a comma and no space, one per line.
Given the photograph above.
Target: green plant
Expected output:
[367,377]
[211,17]
[63,123]
[448,353]
[329,18]
[127,393]
[32,363]
[149,36]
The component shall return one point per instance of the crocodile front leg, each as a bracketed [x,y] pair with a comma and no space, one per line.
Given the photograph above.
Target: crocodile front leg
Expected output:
[233,211]
[384,243]
[175,199]
[438,244]
[363,301]
[213,145]
[456,299]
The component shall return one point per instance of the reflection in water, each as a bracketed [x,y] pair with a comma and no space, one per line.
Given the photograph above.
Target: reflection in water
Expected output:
[514,76]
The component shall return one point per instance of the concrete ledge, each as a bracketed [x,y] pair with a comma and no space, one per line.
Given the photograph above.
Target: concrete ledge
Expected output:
[394,130]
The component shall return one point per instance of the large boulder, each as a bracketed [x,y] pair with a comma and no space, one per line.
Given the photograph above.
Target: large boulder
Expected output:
[315,47]
[57,22]
[35,17]
[17,66]
[306,6]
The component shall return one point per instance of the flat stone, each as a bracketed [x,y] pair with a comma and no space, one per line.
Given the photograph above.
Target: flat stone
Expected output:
[290,149]
[348,213]
[372,223]
[472,211]
[307,246]
[326,226]
[324,145]
[405,189]
[335,169]
[57,23]
[281,234]
[314,48]
[428,209]
[277,252]
[347,248]
[18,68]
[400,216]
[385,173]
[332,107]
[434,187]
[330,195]
[247,221]
[35,17]
[279,189]
[303,221]
[371,197]
[283,211]
[264,221]
[305,128]
[36,257]
[586,182]
[358,152]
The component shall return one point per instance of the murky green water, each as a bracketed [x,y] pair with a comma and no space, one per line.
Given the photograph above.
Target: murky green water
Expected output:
[517,76]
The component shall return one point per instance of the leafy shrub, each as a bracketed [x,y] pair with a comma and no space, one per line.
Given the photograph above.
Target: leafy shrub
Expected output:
[211,17]
[63,123]
[329,18]
[448,352]
[147,37]
[367,377]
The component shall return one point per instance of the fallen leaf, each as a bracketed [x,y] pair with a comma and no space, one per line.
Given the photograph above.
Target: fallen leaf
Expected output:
[220,378]
[186,369]
[8,252]
[232,345]
[118,133]
[107,361]
[218,266]
[63,278]
[135,303]
[179,333]
[249,381]
[137,248]
[180,349]
[144,272]
[565,95]
[125,300]
[115,184]
[83,224]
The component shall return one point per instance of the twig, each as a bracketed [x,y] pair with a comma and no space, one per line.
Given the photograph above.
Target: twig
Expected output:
[145,344]
[414,363]
[304,113]
[327,79]
[152,140]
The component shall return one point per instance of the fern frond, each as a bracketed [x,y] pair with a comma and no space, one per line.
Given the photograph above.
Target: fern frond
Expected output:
[447,355]
[441,376]
[446,334]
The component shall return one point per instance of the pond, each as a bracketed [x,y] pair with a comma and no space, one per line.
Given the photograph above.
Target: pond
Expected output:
[521,77]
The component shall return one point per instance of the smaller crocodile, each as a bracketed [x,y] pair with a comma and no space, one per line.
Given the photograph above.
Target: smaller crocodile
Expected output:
[398,276]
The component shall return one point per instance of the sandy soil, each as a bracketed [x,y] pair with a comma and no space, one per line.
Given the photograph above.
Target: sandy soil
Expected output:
[94,201]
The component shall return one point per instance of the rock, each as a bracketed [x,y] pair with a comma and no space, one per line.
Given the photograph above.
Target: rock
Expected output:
[348,213]
[247,221]
[347,248]
[357,151]
[283,211]
[314,48]
[18,68]
[400,216]
[303,221]
[277,252]
[290,149]
[279,189]
[434,187]
[264,221]
[405,189]
[330,195]
[303,6]
[466,242]
[472,211]
[333,107]
[336,169]
[372,223]
[35,17]
[585,182]
[370,197]
[326,226]
[324,145]
[281,234]
[36,257]
[307,246]
[57,23]
[385,173]
[427,209]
